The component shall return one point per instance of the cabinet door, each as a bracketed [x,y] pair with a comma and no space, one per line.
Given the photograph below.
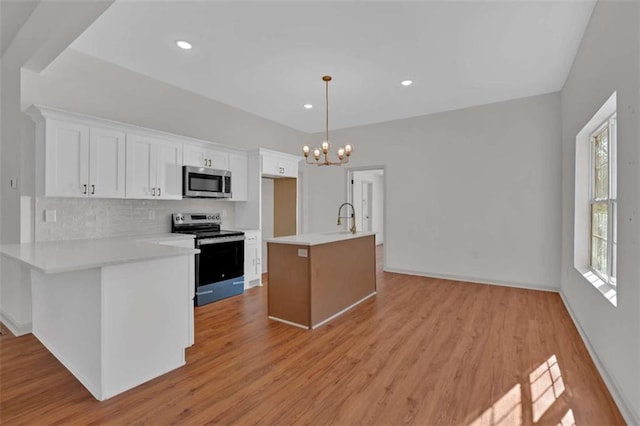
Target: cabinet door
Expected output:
[252,269]
[140,168]
[168,157]
[288,168]
[194,156]
[269,165]
[106,163]
[66,159]
[238,168]
[217,160]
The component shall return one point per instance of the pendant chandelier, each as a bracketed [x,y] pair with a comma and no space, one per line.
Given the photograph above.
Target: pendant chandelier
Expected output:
[343,153]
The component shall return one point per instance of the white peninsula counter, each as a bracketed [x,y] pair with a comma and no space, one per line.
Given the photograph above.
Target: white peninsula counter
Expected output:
[116,312]
[313,278]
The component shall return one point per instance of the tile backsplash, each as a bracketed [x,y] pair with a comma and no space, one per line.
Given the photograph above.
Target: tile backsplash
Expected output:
[102,218]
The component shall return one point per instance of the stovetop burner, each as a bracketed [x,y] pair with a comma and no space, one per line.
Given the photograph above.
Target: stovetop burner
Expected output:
[202,225]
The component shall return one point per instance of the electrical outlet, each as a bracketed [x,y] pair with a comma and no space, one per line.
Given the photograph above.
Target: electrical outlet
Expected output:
[50,216]
[152,214]
[303,253]
[224,213]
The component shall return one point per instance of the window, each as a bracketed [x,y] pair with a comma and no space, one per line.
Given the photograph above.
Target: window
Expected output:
[602,202]
[594,222]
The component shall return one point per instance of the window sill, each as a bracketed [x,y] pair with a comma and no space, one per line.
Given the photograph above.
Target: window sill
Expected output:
[607,290]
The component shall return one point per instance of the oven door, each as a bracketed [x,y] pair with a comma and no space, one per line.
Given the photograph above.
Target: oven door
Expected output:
[219,262]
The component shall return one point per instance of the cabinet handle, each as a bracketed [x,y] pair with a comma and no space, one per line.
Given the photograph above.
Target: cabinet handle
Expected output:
[209,163]
[153,192]
[93,189]
[84,190]
[159,193]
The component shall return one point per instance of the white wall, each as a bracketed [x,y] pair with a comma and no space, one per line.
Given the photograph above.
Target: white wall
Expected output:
[471,194]
[607,61]
[267,218]
[377,201]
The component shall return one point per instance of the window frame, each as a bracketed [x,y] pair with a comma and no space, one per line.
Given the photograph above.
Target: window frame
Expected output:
[610,201]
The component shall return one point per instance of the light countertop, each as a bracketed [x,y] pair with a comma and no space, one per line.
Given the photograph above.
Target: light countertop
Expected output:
[73,255]
[319,238]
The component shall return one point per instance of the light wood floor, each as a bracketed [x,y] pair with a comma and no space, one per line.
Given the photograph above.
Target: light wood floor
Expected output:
[423,351]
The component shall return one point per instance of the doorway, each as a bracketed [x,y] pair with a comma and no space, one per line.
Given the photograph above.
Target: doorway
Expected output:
[366,193]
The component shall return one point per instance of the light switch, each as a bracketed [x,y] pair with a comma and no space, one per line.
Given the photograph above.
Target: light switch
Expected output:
[50,216]
[13,183]
[303,253]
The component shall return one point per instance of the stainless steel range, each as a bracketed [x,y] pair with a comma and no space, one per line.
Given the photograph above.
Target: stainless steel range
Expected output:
[220,264]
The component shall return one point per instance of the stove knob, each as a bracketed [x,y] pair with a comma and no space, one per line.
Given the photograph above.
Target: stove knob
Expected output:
[209,217]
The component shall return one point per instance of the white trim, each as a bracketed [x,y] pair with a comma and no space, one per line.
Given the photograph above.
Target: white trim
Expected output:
[39,112]
[323,322]
[514,284]
[623,405]
[295,324]
[13,326]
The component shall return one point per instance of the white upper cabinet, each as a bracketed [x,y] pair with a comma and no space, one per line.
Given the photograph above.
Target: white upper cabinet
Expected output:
[238,168]
[154,168]
[83,161]
[106,163]
[278,165]
[198,156]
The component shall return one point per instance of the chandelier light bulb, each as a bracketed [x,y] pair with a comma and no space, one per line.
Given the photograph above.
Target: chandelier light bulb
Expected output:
[305,150]
[316,153]
[348,149]
[325,147]
[341,153]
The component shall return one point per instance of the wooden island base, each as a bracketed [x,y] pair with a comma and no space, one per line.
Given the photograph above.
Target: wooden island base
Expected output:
[310,284]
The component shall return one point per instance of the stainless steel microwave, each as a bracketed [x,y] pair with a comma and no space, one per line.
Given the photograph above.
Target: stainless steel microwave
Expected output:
[203,182]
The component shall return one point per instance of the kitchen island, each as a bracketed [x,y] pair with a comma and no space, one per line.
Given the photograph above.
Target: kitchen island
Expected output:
[116,312]
[313,278]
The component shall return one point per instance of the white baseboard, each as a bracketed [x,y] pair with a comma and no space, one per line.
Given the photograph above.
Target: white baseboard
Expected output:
[323,322]
[629,415]
[16,328]
[515,284]
[295,324]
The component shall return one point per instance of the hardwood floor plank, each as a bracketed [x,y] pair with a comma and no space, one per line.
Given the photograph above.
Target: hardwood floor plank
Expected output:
[423,351]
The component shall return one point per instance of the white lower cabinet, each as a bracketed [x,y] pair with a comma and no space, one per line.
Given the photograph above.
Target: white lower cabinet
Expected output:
[252,258]
[154,168]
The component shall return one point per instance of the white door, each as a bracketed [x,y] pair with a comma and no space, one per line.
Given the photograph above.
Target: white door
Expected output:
[168,156]
[366,203]
[140,168]
[67,159]
[106,163]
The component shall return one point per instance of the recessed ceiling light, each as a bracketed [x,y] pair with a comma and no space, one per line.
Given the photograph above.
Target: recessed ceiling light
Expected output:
[308,106]
[406,82]
[183,44]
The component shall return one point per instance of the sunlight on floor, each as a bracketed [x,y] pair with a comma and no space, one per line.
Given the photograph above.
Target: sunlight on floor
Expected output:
[567,419]
[506,411]
[545,385]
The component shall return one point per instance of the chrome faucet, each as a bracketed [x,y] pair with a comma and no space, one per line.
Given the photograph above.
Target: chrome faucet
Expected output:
[353,216]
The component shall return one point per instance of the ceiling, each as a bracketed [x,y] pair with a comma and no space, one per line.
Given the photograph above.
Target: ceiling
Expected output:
[268,58]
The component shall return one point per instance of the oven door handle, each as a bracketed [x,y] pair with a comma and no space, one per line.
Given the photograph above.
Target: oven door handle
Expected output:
[199,293]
